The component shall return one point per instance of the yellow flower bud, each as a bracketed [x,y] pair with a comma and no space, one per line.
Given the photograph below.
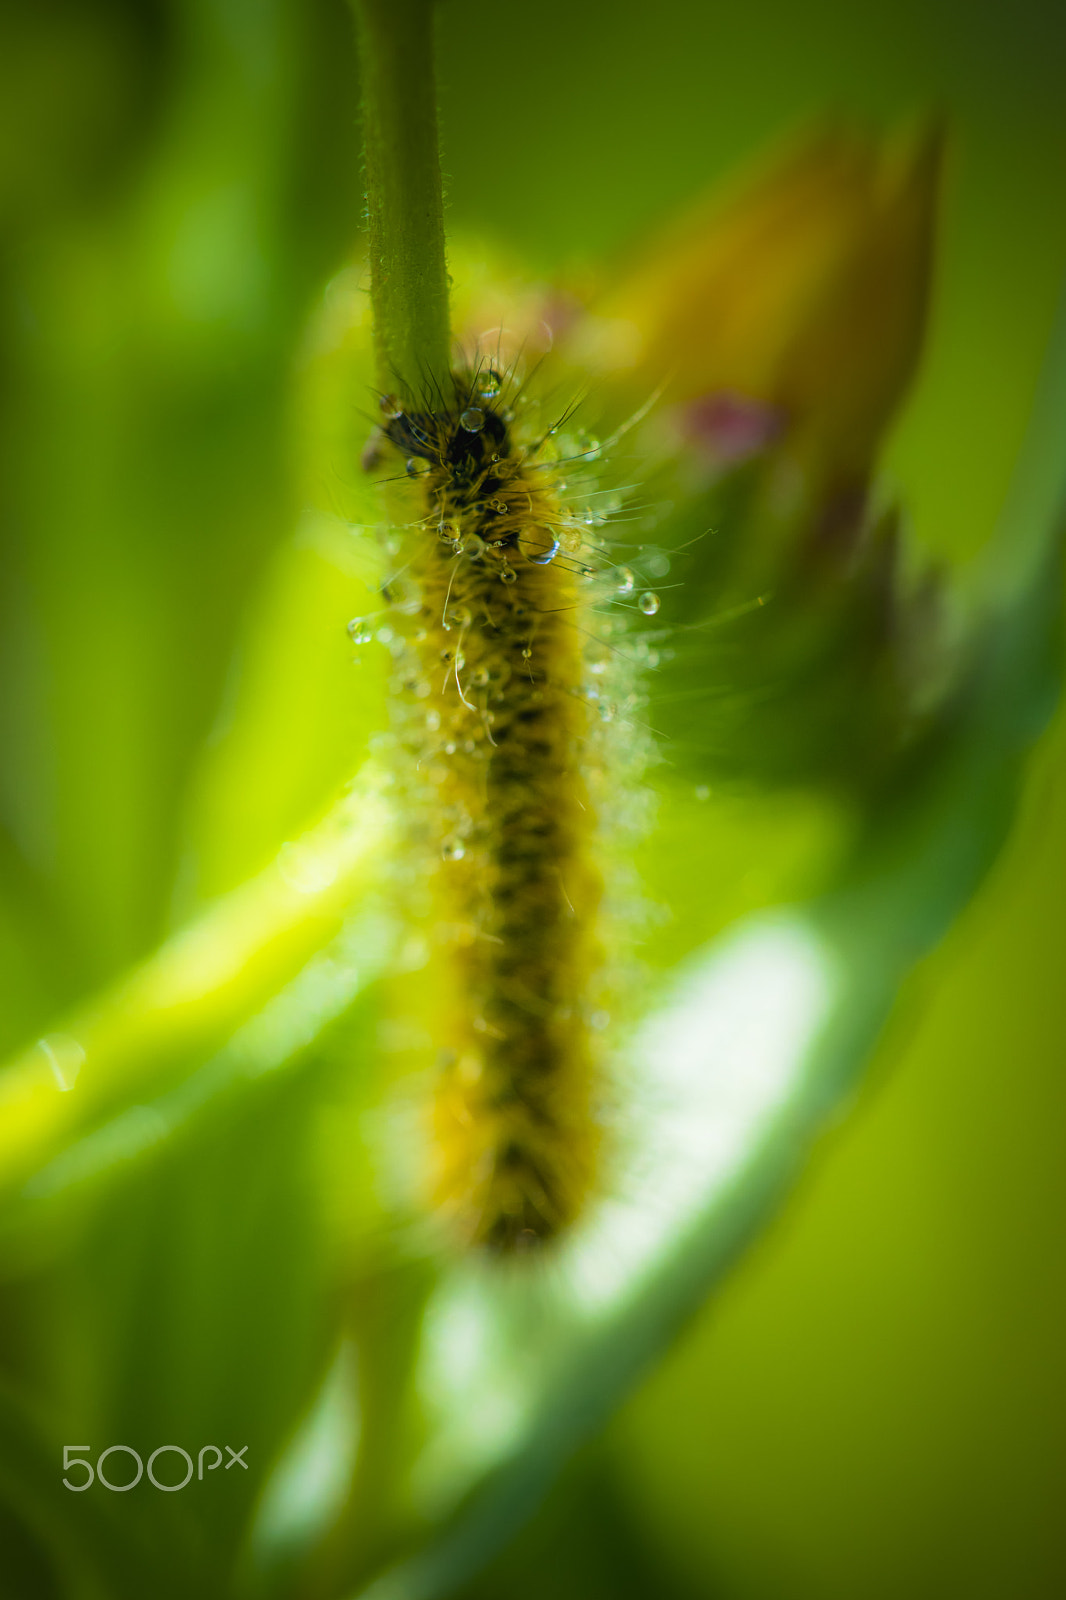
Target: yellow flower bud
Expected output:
[802,295]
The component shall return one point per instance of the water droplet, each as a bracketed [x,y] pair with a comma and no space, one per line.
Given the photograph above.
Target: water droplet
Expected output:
[544,557]
[453,850]
[416,467]
[385,636]
[527,654]
[626,580]
[649,603]
[489,383]
[588,572]
[65,1056]
[472,419]
[588,445]
[499,506]
[507,573]
[390,406]
[481,677]
[405,595]
[373,455]
[359,631]
[656,563]
[449,748]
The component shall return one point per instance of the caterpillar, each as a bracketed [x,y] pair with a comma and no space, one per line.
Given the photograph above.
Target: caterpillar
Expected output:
[495,601]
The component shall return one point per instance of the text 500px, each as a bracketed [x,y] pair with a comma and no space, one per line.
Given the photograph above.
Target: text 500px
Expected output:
[74,1456]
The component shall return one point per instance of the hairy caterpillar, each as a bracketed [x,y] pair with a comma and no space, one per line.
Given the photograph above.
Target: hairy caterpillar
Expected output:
[495,600]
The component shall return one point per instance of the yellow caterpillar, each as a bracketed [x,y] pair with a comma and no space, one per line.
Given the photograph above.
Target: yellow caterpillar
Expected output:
[494,599]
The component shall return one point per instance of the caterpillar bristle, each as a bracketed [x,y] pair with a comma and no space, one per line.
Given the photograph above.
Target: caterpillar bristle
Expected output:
[494,598]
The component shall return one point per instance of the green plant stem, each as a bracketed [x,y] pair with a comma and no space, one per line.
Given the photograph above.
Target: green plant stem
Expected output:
[405,212]
[181,1002]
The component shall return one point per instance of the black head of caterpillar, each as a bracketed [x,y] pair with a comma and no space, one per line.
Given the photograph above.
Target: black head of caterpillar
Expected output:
[477,471]
[495,601]
[442,438]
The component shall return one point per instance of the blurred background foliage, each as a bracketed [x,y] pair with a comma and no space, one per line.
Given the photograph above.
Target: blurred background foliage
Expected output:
[873,1404]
